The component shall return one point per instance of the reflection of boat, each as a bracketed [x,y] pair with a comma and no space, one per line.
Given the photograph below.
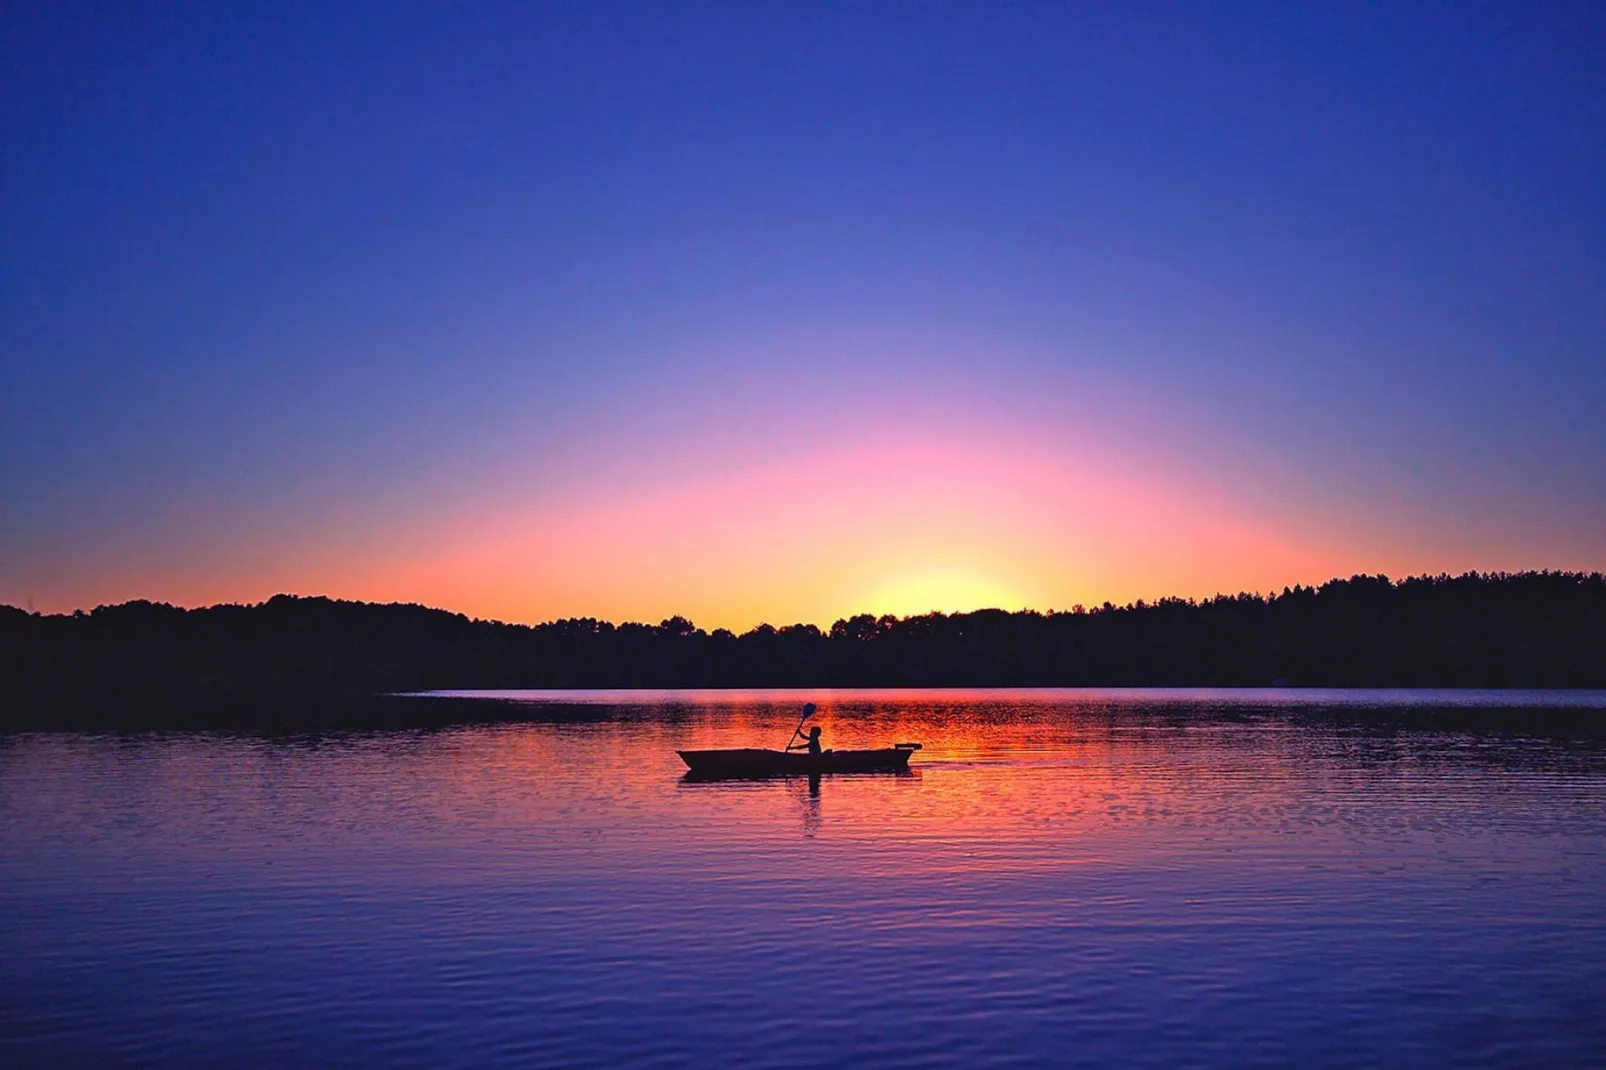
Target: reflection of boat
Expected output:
[756,762]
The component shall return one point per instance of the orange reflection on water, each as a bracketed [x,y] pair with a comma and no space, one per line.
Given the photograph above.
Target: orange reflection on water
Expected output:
[1054,854]
[995,789]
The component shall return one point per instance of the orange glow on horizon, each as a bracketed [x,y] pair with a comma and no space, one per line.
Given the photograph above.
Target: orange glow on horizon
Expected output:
[901,529]
[884,528]
[894,526]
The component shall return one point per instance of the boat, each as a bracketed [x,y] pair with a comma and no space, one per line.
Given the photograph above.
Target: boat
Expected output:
[749,762]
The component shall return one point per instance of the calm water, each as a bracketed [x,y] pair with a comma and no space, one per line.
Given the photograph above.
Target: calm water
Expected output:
[1080,878]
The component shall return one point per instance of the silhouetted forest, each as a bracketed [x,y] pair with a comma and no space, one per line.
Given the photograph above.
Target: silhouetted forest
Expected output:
[315,659]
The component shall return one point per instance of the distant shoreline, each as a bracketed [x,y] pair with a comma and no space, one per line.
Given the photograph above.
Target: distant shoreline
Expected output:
[316,660]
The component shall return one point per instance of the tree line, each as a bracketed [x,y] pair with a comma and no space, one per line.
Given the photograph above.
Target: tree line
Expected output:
[143,663]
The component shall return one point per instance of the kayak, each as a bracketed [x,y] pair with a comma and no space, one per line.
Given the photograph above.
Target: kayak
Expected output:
[756,762]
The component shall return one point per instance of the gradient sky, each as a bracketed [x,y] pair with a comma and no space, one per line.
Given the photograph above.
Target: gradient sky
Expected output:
[785,312]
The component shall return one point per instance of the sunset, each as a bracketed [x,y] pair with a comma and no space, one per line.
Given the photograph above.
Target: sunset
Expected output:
[723,317]
[1148,456]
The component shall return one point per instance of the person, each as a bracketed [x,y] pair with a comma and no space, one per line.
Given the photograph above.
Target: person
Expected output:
[814,742]
[813,738]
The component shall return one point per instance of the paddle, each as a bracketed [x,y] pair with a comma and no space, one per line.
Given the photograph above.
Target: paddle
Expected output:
[792,744]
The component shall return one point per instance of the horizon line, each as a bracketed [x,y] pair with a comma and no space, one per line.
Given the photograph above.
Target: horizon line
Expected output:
[1075,609]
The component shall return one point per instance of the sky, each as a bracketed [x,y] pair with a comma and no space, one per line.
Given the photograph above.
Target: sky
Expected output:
[785,312]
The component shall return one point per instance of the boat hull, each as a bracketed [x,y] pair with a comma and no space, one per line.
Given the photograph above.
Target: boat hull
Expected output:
[755,762]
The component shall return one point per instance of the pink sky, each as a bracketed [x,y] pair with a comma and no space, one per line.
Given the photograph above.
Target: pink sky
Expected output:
[896,526]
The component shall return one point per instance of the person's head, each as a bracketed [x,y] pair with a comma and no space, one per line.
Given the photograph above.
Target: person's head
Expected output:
[814,733]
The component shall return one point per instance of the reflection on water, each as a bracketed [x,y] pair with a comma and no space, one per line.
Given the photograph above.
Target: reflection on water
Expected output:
[1082,878]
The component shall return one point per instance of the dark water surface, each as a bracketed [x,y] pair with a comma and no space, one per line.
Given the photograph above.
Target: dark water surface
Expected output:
[1077,878]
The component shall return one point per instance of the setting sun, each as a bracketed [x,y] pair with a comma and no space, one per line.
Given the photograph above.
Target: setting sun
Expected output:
[948,590]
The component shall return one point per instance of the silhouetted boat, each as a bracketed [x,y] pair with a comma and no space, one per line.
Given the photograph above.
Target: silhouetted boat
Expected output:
[757,762]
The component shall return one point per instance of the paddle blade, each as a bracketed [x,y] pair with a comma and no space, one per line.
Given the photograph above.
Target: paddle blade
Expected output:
[808,711]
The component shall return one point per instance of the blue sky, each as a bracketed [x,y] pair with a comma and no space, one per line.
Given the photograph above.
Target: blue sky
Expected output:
[285,279]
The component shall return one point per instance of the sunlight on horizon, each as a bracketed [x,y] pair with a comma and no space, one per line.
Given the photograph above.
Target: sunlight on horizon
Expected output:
[940,590]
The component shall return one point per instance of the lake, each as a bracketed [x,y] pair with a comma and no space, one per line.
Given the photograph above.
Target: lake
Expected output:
[1088,878]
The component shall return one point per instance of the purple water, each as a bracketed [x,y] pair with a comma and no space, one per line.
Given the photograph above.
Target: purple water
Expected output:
[1079,878]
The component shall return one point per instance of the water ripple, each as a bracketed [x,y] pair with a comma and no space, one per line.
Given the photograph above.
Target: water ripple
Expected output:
[1082,880]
